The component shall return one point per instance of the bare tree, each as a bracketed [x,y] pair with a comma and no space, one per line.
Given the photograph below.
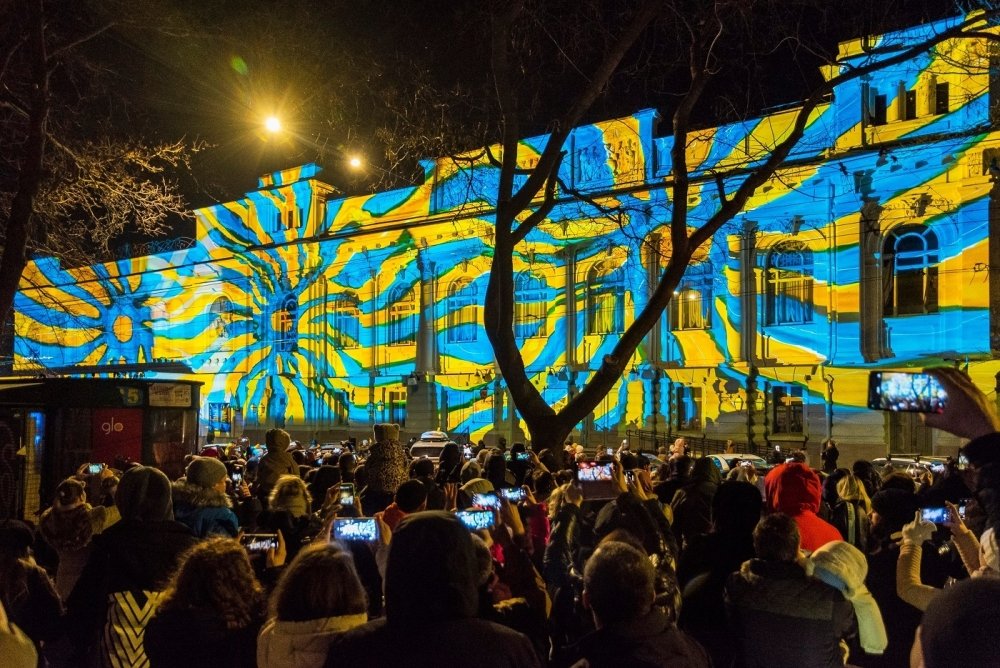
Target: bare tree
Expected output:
[525,197]
[70,184]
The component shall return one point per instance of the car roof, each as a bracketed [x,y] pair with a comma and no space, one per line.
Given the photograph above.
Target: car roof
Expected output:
[433,435]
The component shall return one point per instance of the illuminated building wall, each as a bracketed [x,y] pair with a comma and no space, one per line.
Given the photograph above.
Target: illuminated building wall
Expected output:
[870,249]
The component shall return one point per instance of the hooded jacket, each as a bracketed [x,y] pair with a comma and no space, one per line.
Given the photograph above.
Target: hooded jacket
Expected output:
[276,463]
[204,510]
[69,532]
[692,505]
[301,644]
[431,594]
[129,564]
[795,490]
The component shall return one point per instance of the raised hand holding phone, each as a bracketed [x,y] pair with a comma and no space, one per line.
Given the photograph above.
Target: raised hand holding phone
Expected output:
[969,413]
[276,555]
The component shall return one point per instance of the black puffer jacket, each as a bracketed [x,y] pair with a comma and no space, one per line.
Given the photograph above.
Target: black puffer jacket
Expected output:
[783,617]
[648,641]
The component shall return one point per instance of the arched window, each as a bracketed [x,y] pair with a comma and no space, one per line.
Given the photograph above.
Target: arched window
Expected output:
[530,306]
[462,320]
[909,271]
[605,299]
[789,285]
[402,316]
[346,320]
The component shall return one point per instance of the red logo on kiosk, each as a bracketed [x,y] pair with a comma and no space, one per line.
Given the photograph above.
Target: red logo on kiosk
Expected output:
[116,432]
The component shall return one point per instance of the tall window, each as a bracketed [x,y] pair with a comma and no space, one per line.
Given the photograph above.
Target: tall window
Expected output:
[909,271]
[605,299]
[402,317]
[789,289]
[787,403]
[462,321]
[346,320]
[942,98]
[530,306]
[690,308]
[688,415]
[284,325]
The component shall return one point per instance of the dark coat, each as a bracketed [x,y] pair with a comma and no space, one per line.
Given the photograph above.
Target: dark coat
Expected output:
[459,642]
[783,617]
[646,642]
[130,558]
[196,638]
[692,504]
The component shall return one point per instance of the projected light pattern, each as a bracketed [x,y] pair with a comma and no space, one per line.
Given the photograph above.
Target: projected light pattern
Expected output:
[869,249]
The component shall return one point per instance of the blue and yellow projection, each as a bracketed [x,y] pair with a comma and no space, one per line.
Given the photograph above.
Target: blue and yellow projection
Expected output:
[869,249]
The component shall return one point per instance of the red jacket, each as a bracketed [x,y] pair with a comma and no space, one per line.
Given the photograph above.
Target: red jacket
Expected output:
[794,489]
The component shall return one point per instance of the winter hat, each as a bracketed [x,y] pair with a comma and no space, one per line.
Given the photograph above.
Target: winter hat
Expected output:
[477,486]
[386,432]
[895,506]
[144,494]
[844,567]
[959,626]
[277,439]
[205,472]
[989,554]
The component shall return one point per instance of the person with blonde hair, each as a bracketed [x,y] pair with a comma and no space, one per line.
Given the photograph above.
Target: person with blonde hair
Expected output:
[318,597]
[210,612]
[850,513]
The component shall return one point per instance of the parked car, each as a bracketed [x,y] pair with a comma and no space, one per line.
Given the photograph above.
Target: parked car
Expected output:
[430,445]
[727,463]
[911,463]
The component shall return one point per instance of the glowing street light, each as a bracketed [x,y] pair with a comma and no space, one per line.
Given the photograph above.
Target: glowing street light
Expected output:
[272,124]
[354,161]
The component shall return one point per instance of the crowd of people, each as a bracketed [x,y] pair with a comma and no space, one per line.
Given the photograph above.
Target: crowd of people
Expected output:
[294,556]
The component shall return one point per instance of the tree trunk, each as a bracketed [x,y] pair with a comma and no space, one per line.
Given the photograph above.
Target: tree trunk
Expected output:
[13,260]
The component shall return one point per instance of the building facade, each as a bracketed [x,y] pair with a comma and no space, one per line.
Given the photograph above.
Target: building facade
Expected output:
[870,249]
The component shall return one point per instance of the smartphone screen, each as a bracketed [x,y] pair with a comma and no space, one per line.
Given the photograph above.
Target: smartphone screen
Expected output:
[513,494]
[95,468]
[346,494]
[961,509]
[356,529]
[936,514]
[476,520]
[963,462]
[236,477]
[905,391]
[523,457]
[487,500]
[259,542]
[595,480]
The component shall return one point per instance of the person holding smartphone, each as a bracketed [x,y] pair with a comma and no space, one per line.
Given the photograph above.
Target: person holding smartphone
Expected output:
[410,497]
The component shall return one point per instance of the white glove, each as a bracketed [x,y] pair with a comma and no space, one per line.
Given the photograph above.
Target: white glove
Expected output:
[918,531]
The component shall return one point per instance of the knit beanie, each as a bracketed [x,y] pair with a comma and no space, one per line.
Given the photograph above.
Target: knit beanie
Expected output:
[959,626]
[205,472]
[844,567]
[144,494]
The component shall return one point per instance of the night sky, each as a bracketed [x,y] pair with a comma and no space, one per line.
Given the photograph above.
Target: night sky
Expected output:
[340,73]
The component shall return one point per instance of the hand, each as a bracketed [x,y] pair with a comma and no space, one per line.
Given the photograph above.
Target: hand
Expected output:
[450,496]
[529,497]
[917,531]
[954,521]
[618,478]
[969,413]
[535,461]
[510,517]
[384,532]
[244,489]
[276,555]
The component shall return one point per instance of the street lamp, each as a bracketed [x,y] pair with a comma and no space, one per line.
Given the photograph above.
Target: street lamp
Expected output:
[274,127]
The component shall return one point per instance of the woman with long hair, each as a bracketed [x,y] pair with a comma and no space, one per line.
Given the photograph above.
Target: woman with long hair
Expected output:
[318,597]
[210,611]
[289,510]
[850,513]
